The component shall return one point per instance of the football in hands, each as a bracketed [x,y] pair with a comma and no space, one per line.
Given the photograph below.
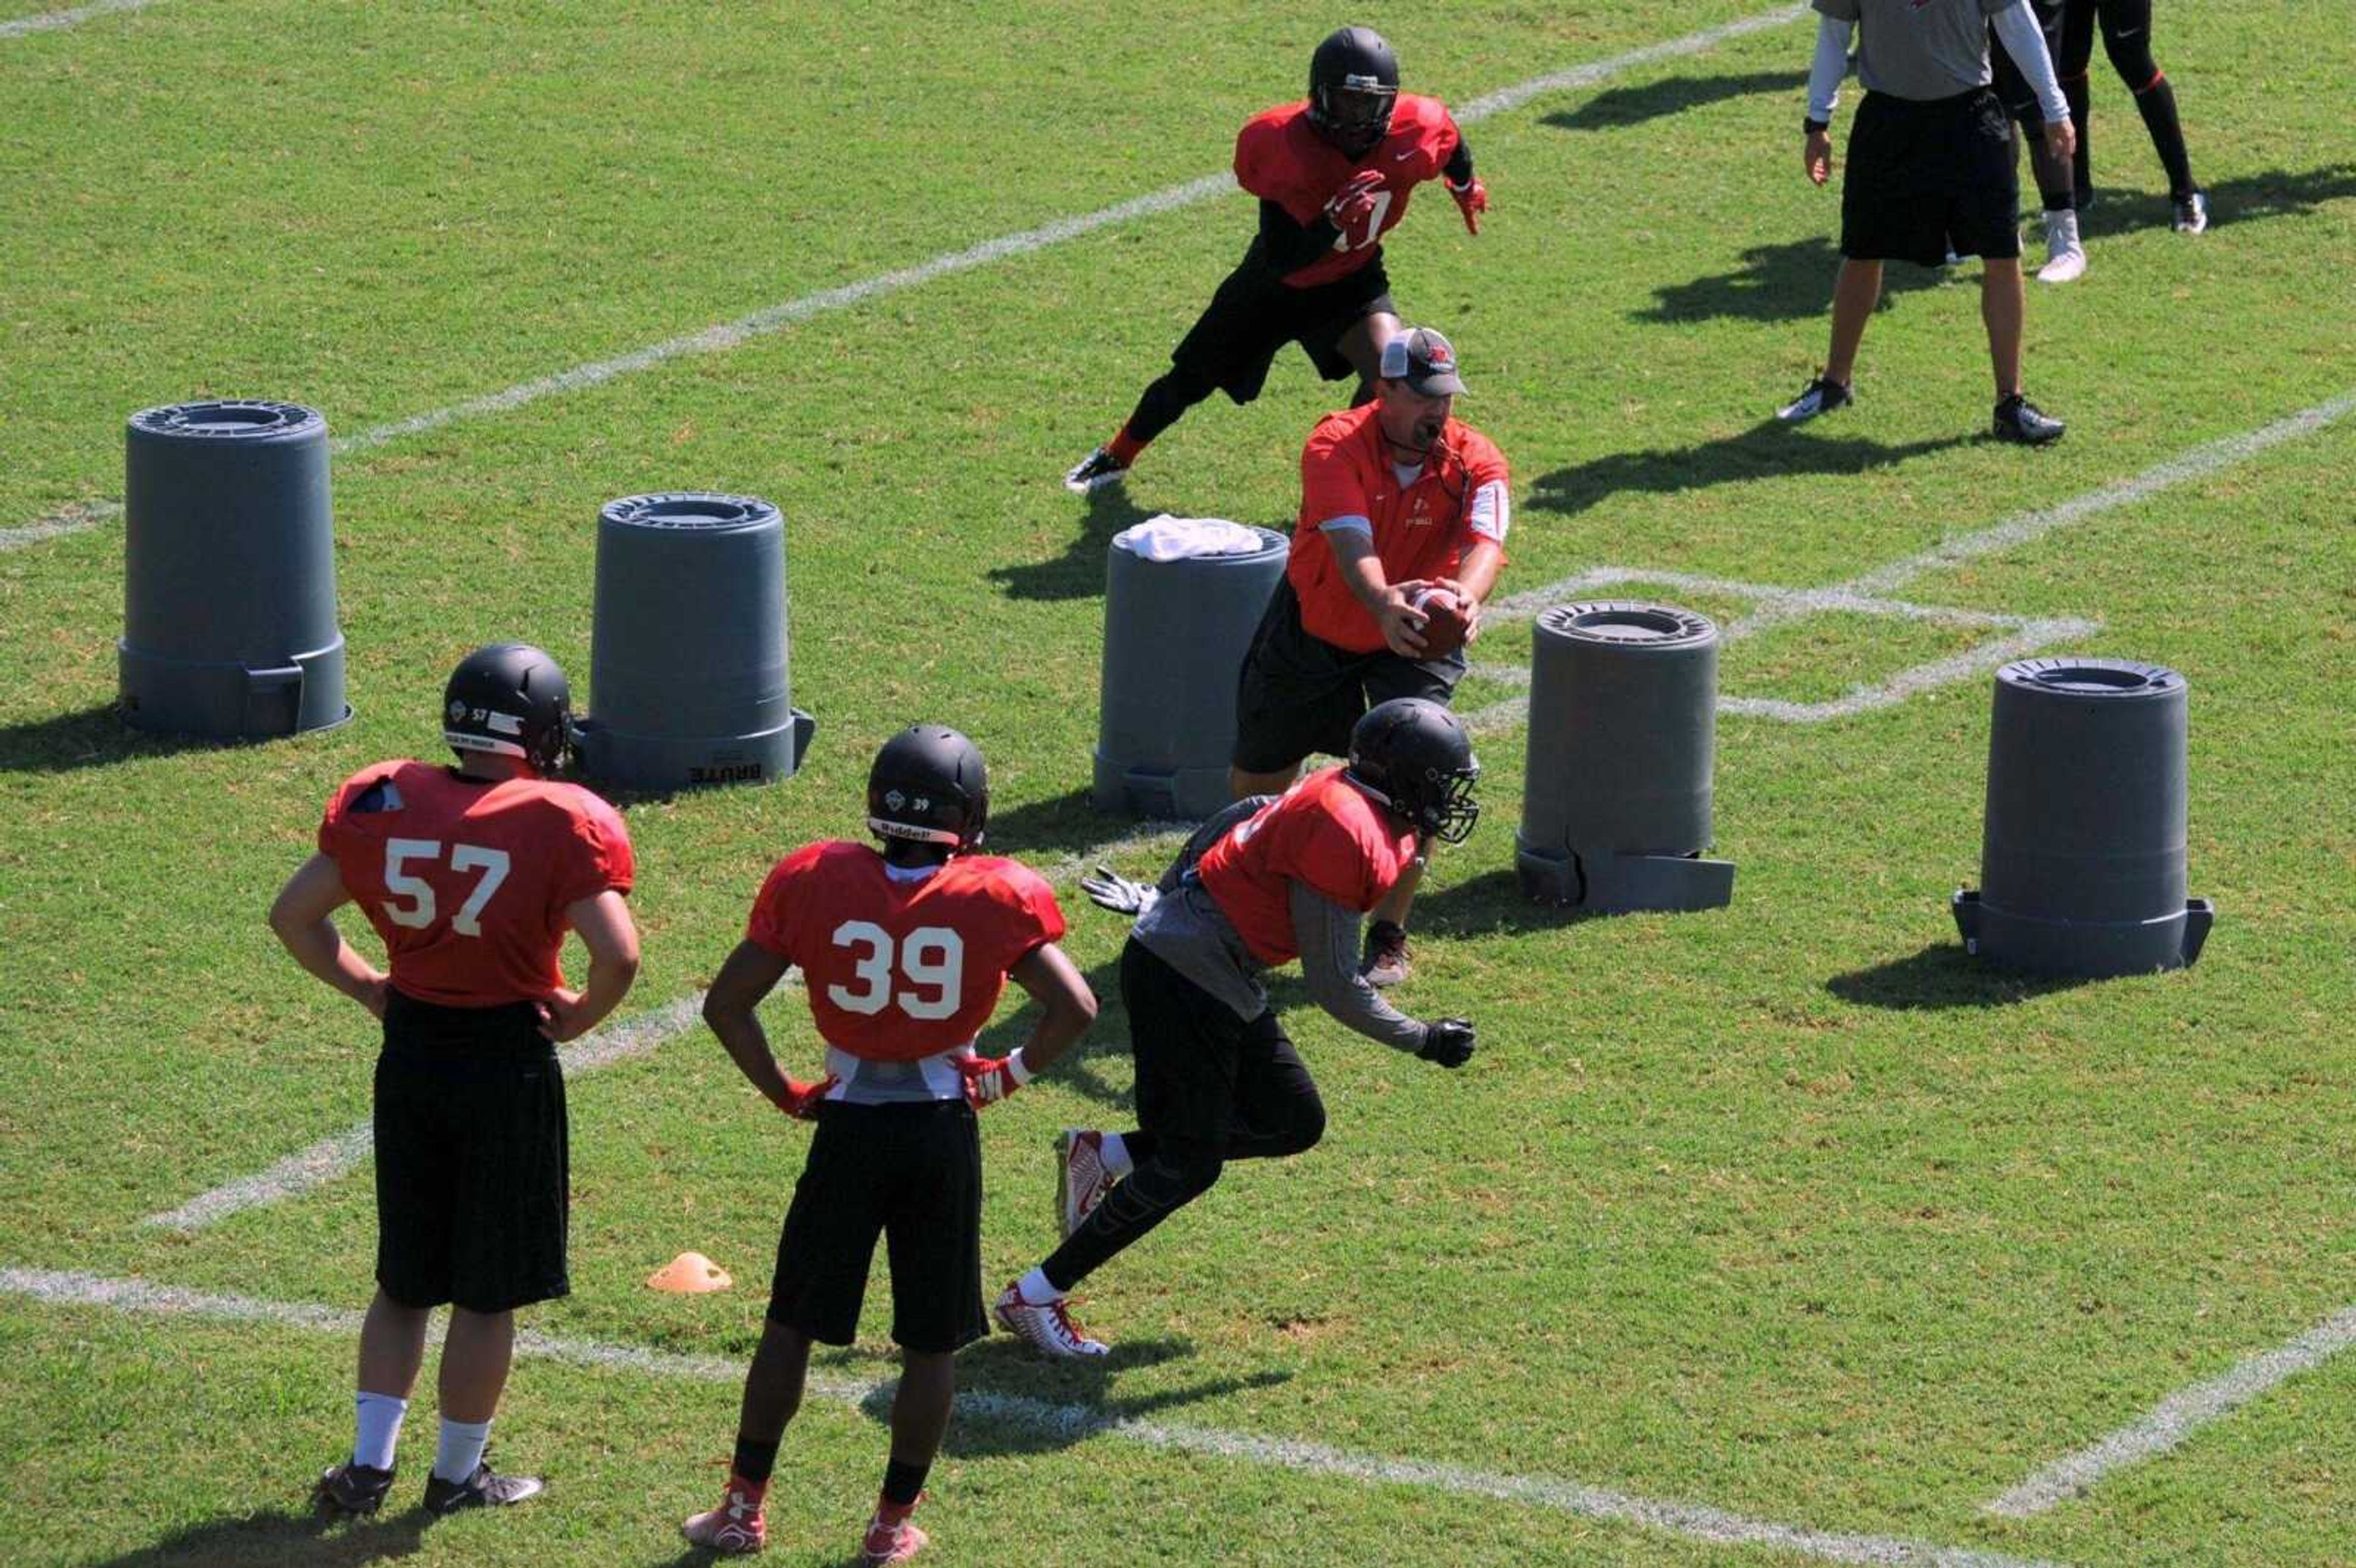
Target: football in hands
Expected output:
[1445,621]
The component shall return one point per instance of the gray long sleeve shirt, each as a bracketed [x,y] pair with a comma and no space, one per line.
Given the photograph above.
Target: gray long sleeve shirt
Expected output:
[1920,49]
[1187,930]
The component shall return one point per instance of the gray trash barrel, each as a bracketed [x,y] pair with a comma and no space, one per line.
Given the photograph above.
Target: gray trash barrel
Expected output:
[1175,636]
[229,597]
[1623,733]
[689,681]
[2082,857]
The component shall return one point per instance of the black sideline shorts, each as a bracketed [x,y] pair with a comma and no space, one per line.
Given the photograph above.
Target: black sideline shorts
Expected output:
[1206,1079]
[912,1172]
[1252,315]
[1299,694]
[471,1158]
[1922,176]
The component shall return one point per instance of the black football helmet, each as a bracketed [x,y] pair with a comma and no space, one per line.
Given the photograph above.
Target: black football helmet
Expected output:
[510,699]
[1415,756]
[1352,86]
[929,785]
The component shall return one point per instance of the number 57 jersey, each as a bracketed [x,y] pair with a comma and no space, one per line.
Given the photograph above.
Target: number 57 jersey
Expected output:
[901,964]
[467,880]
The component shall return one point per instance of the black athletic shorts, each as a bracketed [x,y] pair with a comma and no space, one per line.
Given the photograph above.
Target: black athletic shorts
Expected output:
[912,1172]
[1254,314]
[1208,1082]
[1299,694]
[471,1159]
[2011,88]
[1922,176]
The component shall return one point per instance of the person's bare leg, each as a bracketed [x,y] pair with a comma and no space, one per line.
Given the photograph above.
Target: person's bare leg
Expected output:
[392,1346]
[2004,307]
[475,1360]
[1361,345]
[1856,291]
[772,1383]
[1397,902]
[920,1408]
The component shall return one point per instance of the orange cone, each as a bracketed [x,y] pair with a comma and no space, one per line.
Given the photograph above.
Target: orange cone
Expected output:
[689,1274]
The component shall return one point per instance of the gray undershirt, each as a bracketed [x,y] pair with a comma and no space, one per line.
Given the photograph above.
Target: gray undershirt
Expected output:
[1188,930]
[1919,50]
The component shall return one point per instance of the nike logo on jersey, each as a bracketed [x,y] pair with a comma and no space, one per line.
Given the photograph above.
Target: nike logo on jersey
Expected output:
[1402,157]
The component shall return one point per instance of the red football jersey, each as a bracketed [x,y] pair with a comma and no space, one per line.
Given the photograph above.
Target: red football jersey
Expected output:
[1422,530]
[468,881]
[1280,157]
[1324,831]
[901,970]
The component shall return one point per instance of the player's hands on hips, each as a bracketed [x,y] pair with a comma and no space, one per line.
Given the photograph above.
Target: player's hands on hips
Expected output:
[1354,204]
[990,1079]
[1471,200]
[2060,138]
[1816,156]
[1108,889]
[1449,1042]
[801,1100]
[560,1017]
[1399,622]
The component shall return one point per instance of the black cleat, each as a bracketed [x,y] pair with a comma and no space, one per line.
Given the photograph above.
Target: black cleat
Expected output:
[2018,419]
[353,1488]
[481,1490]
[1821,395]
[1094,472]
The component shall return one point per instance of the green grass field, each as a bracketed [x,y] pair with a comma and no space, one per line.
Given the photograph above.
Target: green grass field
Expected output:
[1785,1214]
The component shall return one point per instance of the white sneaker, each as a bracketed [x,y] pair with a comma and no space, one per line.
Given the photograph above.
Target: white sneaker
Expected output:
[2065,256]
[1048,1329]
[1081,1178]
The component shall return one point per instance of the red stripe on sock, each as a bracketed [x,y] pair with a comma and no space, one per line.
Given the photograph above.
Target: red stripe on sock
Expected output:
[2157,78]
[1125,448]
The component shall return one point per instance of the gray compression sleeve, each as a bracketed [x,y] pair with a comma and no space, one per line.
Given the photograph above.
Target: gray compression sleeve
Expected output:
[2016,29]
[1825,72]
[1327,934]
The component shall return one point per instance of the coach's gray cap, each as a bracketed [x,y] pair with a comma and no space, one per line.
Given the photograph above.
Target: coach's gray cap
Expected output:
[1424,360]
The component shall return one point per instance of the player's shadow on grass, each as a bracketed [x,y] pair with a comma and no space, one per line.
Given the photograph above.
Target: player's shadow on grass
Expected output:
[1660,100]
[1768,449]
[91,738]
[1079,571]
[1011,1401]
[309,1538]
[1943,975]
[1097,1067]
[2247,198]
[1790,280]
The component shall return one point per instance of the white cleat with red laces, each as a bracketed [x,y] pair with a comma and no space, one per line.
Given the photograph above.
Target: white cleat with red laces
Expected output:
[1047,1327]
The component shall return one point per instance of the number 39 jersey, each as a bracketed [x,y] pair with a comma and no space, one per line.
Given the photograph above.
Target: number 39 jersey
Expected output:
[898,969]
[468,881]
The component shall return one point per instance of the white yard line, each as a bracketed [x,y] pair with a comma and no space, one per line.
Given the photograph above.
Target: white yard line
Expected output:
[2197,462]
[2177,1417]
[50,21]
[68,519]
[1072,1423]
[335,1156]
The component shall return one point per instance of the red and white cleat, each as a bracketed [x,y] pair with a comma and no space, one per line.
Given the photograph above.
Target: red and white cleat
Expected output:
[1046,1328]
[1081,1180]
[736,1527]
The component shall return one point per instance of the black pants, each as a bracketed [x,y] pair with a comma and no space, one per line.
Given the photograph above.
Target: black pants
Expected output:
[1211,1087]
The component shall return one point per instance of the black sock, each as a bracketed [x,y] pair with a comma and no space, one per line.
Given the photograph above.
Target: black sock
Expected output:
[2057,200]
[902,1481]
[2081,161]
[2158,103]
[754,1461]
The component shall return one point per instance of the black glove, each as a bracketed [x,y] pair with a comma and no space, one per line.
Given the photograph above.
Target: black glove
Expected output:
[1109,889]
[1449,1042]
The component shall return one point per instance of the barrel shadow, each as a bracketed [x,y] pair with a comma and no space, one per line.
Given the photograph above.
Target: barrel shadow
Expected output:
[1943,975]
[1079,571]
[1490,904]
[95,737]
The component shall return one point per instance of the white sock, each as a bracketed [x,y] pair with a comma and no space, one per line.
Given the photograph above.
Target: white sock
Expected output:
[461,1449]
[1114,1151]
[376,1428]
[2060,231]
[1033,1289]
